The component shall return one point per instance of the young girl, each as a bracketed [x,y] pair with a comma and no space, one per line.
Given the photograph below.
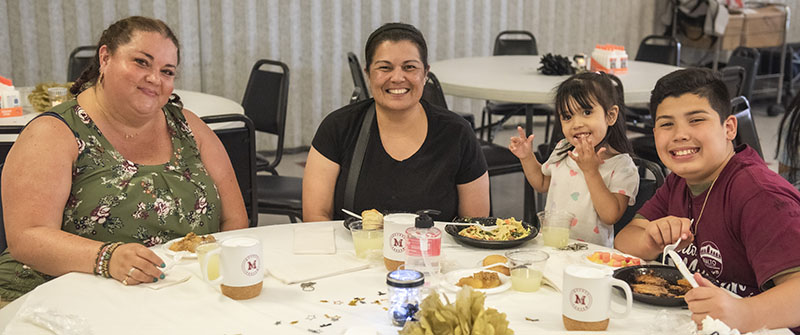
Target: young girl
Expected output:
[590,173]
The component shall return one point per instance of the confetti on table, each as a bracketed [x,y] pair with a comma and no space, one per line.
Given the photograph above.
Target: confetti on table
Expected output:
[325,325]
[531,320]
[294,322]
[324,301]
[377,302]
[381,293]
[356,301]
[277,323]
[333,318]
[338,302]
[386,308]
[311,317]
[315,331]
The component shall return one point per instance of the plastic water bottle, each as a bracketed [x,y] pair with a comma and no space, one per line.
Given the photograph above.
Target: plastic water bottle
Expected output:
[424,246]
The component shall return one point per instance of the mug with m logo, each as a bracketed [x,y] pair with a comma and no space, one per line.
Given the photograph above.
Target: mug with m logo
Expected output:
[241,268]
[586,298]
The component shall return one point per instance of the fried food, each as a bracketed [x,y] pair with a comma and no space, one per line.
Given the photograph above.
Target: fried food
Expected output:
[371,219]
[500,260]
[483,279]
[650,284]
[191,241]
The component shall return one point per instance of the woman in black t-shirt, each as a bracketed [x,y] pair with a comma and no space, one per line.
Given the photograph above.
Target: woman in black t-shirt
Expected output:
[417,156]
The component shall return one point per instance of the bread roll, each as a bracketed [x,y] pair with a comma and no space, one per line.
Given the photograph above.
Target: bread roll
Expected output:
[371,219]
[500,260]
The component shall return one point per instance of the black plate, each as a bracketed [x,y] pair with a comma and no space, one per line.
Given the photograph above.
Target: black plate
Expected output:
[670,273]
[454,229]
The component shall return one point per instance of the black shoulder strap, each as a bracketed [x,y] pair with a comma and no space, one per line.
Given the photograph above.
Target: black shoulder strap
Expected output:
[49,113]
[358,159]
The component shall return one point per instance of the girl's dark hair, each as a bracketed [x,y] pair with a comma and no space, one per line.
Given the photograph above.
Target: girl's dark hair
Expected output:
[595,87]
[791,124]
[395,32]
[117,34]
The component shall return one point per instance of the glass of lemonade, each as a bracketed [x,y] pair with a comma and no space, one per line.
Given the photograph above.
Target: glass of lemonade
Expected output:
[212,272]
[367,242]
[527,269]
[555,227]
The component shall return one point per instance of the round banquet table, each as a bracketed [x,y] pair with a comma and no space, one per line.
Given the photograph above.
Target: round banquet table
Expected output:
[516,79]
[194,307]
[202,104]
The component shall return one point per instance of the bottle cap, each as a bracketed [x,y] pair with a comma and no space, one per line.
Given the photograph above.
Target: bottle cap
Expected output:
[424,220]
[405,278]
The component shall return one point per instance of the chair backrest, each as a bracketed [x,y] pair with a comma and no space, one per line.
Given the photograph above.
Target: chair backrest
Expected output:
[734,77]
[5,146]
[432,92]
[746,132]
[748,58]
[660,49]
[651,178]
[522,43]
[3,243]
[265,100]
[240,143]
[79,59]
[360,89]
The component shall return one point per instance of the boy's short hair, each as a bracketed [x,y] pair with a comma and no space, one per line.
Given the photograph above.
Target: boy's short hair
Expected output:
[702,82]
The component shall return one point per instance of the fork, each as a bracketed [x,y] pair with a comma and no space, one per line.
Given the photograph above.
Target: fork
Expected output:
[482,227]
[671,247]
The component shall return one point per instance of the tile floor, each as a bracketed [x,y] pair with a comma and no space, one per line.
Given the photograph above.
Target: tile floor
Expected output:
[507,191]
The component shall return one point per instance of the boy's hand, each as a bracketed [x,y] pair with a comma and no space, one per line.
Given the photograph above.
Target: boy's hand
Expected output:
[584,154]
[521,146]
[667,230]
[713,301]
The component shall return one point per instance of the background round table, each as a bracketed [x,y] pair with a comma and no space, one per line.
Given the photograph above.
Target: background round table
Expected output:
[516,79]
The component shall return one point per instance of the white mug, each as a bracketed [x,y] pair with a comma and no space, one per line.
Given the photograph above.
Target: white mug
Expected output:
[394,238]
[586,298]
[241,268]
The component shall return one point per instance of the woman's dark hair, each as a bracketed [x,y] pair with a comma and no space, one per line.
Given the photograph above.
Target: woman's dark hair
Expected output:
[588,88]
[117,34]
[791,139]
[395,32]
[704,83]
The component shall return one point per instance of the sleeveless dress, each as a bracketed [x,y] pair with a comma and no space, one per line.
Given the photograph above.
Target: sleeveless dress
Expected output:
[114,199]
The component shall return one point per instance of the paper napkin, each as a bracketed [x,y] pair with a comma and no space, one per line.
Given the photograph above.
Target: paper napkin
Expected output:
[173,277]
[292,269]
[314,240]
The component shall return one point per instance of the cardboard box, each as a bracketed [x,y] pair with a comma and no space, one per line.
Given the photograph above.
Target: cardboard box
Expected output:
[763,27]
[730,40]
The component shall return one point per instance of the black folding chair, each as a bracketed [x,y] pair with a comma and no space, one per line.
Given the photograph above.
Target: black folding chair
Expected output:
[265,100]
[734,77]
[240,143]
[360,89]
[651,177]
[749,59]
[746,132]
[79,59]
[511,42]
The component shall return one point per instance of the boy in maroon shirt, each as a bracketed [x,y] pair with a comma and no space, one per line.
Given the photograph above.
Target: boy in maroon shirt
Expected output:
[739,221]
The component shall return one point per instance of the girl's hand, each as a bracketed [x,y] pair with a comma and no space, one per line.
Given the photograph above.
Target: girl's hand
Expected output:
[521,146]
[133,264]
[584,155]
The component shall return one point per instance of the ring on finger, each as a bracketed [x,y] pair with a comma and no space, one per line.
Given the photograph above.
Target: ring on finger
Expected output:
[125,281]
[130,272]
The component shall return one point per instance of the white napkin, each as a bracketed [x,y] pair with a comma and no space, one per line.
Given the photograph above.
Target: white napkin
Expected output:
[292,269]
[313,240]
[173,277]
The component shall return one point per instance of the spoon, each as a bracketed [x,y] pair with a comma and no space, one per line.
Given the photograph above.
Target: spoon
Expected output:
[351,214]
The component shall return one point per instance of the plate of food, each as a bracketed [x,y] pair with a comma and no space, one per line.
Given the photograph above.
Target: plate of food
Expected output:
[486,281]
[612,259]
[510,233]
[659,285]
[187,243]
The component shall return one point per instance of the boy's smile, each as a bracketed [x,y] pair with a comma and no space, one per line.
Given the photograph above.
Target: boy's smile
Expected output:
[690,139]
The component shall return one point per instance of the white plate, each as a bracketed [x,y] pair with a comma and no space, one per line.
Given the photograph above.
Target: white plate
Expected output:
[585,257]
[451,279]
[172,253]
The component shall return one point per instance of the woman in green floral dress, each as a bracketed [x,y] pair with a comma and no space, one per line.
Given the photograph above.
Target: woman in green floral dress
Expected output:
[122,163]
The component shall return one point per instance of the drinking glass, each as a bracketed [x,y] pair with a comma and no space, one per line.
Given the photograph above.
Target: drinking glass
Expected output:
[527,269]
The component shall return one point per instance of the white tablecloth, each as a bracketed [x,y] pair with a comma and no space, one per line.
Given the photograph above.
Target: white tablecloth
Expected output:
[194,307]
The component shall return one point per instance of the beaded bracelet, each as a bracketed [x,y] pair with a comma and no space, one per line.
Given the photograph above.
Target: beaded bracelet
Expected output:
[107,258]
[97,259]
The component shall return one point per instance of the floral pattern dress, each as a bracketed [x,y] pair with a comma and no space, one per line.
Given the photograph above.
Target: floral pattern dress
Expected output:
[114,199]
